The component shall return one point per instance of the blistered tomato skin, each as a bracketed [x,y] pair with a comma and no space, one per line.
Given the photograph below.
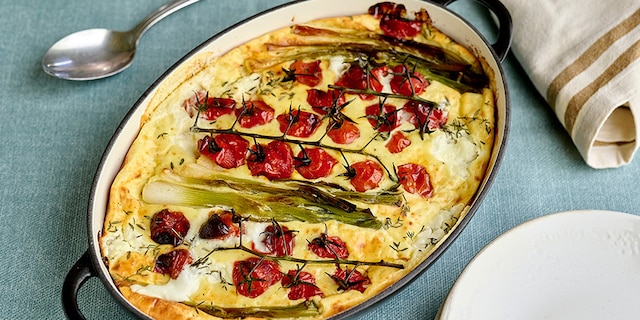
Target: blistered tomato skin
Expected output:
[400,28]
[273,160]
[227,150]
[253,276]
[343,133]
[368,175]
[397,142]
[299,124]
[350,279]
[308,73]
[405,82]
[383,118]
[169,227]
[254,113]
[210,108]
[278,240]
[356,78]
[173,262]
[324,101]
[301,284]
[217,107]
[388,9]
[314,163]
[376,76]
[426,118]
[190,105]
[415,179]
[219,226]
[353,78]
[437,119]
[327,246]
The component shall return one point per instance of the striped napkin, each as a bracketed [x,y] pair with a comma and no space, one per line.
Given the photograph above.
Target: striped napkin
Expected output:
[584,57]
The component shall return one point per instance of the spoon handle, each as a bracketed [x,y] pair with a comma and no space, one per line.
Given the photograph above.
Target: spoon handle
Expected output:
[157,15]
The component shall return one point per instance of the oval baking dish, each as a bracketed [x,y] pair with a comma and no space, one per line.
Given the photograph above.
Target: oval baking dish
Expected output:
[91,264]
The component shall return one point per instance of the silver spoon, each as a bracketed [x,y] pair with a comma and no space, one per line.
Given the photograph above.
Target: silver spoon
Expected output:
[99,53]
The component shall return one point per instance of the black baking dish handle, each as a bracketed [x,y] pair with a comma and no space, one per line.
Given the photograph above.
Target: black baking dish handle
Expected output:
[505,25]
[81,271]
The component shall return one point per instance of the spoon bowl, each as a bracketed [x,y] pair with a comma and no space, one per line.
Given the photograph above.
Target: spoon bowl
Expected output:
[98,53]
[90,54]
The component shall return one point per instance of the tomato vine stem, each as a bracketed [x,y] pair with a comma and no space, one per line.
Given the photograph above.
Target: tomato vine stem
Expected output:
[338,261]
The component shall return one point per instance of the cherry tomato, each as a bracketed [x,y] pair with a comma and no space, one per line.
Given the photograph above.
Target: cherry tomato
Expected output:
[273,160]
[220,226]
[214,108]
[254,113]
[404,80]
[387,9]
[299,124]
[350,279]
[344,133]
[368,175]
[253,276]
[327,246]
[356,78]
[420,112]
[301,285]
[415,179]
[400,28]
[172,263]
[314,163]
[353,78]
[226,149]
[308,73]
[169,227]
[397,142]
[376,76]
[217,107]
[322,101]
[383,119]
[278,240]
[191,104]
[437,119]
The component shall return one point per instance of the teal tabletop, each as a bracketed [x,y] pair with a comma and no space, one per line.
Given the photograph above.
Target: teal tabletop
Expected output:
[54,133]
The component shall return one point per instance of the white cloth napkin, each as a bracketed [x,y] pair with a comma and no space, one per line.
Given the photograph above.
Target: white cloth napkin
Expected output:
[584,57]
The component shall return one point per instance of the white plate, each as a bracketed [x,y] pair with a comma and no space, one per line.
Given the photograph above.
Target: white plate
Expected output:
[569,265]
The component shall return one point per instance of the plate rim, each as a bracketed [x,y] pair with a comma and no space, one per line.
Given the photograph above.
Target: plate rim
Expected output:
[515,231]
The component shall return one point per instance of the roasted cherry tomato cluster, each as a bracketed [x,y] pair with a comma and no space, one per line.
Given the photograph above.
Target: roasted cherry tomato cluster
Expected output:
[277,159]
[170,227]
[253,276]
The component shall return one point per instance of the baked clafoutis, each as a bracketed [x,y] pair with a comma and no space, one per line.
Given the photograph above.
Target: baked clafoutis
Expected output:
[301,173]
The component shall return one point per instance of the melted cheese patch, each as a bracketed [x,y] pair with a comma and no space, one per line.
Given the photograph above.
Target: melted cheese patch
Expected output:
[179,290]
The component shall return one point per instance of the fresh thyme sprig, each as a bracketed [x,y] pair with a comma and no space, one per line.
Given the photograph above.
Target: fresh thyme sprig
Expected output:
[287,257]
[385,95]
[380,263]
[241,247]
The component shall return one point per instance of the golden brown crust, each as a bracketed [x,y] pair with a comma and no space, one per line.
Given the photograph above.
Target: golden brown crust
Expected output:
[162,309]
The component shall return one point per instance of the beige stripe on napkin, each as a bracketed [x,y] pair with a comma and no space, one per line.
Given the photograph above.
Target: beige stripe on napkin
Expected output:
[621,63]
[590,55]
[584,57]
